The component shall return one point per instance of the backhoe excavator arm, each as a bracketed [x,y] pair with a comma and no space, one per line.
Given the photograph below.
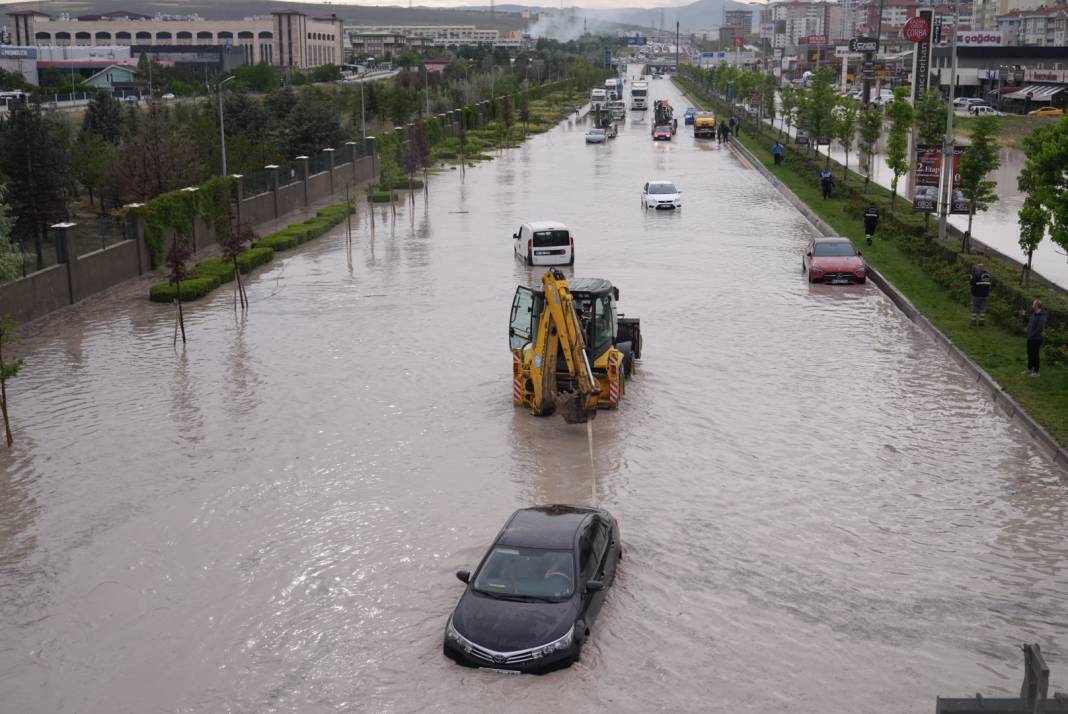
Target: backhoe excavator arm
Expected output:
[560,330]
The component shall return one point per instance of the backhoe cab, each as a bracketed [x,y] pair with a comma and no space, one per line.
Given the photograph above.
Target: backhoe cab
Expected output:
[571,352]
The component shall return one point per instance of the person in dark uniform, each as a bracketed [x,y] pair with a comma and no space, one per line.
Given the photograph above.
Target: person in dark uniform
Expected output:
[871,221]
[981,281]
[1036,329]
[826,182]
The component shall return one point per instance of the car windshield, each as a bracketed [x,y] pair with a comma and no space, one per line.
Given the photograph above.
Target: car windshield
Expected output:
[664,128]
[662,188]
[596,132]
[527,573]
[836,249]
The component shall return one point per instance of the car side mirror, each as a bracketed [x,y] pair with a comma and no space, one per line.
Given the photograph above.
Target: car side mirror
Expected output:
[859,253]
[515,236]
[594,586]
[464,576]
[809,254]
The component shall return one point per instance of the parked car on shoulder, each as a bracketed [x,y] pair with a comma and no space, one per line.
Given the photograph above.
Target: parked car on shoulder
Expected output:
[596,136]
[532,602]
[965,102]
[544,243]
[1047,112]
[688,117]
[661,195]
[982,110]
[834,261]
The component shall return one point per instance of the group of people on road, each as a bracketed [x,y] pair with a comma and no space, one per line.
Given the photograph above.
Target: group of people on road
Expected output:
[723,131]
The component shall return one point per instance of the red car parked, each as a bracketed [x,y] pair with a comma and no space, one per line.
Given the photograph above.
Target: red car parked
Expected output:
[835,261]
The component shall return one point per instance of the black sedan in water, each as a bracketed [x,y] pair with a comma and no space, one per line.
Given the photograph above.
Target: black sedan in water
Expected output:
[530,604]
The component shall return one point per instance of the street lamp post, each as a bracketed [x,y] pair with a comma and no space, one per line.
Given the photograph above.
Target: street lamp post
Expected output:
[947,143]
[222,124]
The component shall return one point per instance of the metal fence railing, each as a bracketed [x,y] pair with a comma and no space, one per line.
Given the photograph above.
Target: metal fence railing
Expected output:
[257,182]
[28,248]
[290,172]
[319,162]
[90,235]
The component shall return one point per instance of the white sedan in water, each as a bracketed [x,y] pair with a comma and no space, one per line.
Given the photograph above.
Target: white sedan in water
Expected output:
[661,194]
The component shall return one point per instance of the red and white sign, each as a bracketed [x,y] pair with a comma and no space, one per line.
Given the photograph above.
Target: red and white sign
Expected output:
[980,38]
[739,42]
[917,29]
[817,40]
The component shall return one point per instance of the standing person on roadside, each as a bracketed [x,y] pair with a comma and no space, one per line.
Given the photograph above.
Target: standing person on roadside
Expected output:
[871,221]
[1036,328]
[719,132]
[726,133]
[980,293]
[777,151]
[736,124]
[826,182]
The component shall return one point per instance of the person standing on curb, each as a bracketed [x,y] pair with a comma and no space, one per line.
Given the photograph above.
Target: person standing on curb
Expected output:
[726,133]
[777,152]
[1036,328]
[719,132]
[826,182]
[871,221]
[980,293]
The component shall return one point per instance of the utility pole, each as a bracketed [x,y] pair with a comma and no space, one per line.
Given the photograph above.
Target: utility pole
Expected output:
[222,125]
[869,57]
[363,114]
[947,144]
[676,45]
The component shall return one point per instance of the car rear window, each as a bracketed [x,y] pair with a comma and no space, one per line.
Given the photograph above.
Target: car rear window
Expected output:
[547,239]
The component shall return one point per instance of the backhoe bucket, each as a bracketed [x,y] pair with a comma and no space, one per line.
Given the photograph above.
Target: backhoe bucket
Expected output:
[573,408]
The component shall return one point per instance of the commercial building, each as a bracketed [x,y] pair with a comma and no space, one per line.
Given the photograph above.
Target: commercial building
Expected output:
[284,39]
[433,36]
[740,20]
[1014,78]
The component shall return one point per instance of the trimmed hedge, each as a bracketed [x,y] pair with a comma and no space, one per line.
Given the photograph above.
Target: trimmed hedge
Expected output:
[213,272]
[383,196]
[408,184]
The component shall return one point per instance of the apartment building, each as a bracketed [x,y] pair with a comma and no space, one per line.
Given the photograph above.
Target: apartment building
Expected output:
[1041,27]
[740,20]
[285,39]
[987,11]
[796,20]
[436,35]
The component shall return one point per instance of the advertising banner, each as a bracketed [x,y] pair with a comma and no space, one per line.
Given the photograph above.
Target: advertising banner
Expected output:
[918,30]
[981,38]
[817,40]
[928,170]
[957,202]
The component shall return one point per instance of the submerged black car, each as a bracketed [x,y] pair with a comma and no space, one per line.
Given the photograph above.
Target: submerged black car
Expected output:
[532,601]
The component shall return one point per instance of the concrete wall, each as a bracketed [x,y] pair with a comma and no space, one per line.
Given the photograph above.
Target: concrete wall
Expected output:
[42,292]
[258,209]
[102,269]
[319,187]
[35,295]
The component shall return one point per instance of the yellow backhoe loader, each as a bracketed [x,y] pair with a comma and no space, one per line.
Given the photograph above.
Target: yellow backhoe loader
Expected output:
[579,322]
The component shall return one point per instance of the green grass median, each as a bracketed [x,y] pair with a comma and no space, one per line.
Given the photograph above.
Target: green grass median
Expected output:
[932,274]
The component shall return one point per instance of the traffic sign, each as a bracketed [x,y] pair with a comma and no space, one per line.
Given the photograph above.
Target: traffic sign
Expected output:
[863,44]
[917,29]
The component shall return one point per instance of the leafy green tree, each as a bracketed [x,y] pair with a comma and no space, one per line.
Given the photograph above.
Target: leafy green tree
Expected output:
[8,370]
[897,144]
[407,59]
[817,111]
[156,158]
[524,112]
[1042,181]
[10,254]
[93,160]
[871,128]
[326,73]
[768,85]
[1033,221]
[35,156]
[789,99]
[931,117]
[11,81]
[313,124]
[260,77]
[978,162]
[103,118]
[846,117]
[402,104]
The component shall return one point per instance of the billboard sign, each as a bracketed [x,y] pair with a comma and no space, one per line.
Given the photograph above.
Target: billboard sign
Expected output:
[863,44]
[816,40]
[918,29]
[983,38]
[925,182]
[637,41]
[842,51]
[26,53]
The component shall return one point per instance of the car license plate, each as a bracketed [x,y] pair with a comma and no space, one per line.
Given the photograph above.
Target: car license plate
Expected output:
[543,252]
[840,281]
[500,671]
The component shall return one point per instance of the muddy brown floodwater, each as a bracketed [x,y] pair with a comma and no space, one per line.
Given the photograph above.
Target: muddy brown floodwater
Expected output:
[821,512]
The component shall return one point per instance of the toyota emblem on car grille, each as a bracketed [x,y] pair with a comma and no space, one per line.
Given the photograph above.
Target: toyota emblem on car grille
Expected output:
[498,659]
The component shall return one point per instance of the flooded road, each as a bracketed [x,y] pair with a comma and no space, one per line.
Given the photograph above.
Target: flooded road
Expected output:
[820,512]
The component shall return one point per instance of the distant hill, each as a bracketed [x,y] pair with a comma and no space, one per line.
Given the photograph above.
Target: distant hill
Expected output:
[236,9]
[699,15]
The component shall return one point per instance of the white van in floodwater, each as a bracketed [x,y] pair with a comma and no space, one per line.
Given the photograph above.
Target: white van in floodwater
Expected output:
[544,243]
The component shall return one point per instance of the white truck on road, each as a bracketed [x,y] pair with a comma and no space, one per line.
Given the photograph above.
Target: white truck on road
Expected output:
[599,99]
[639,95]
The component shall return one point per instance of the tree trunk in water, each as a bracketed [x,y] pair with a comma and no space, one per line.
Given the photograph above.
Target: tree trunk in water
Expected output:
[965,243]
[3,409]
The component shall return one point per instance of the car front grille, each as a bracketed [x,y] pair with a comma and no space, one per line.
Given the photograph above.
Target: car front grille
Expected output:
[838,276]
[500,658]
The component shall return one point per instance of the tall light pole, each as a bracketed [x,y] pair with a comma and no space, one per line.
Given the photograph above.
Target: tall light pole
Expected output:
[222,124]
[947,143]
[363,116]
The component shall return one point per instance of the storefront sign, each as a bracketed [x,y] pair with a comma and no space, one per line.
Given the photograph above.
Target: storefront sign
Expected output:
[26,53]
[843,51]
[918,29]
[863,44]
[817,40]
[982,38]
[925,182]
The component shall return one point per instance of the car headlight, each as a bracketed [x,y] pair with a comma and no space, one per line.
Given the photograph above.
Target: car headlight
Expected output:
[556,645]
[453,634]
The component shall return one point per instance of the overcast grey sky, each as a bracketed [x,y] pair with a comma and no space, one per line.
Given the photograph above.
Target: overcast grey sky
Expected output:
[631,4]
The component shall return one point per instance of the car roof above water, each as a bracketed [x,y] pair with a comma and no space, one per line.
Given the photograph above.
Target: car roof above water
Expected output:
[547,226]
[545,526]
